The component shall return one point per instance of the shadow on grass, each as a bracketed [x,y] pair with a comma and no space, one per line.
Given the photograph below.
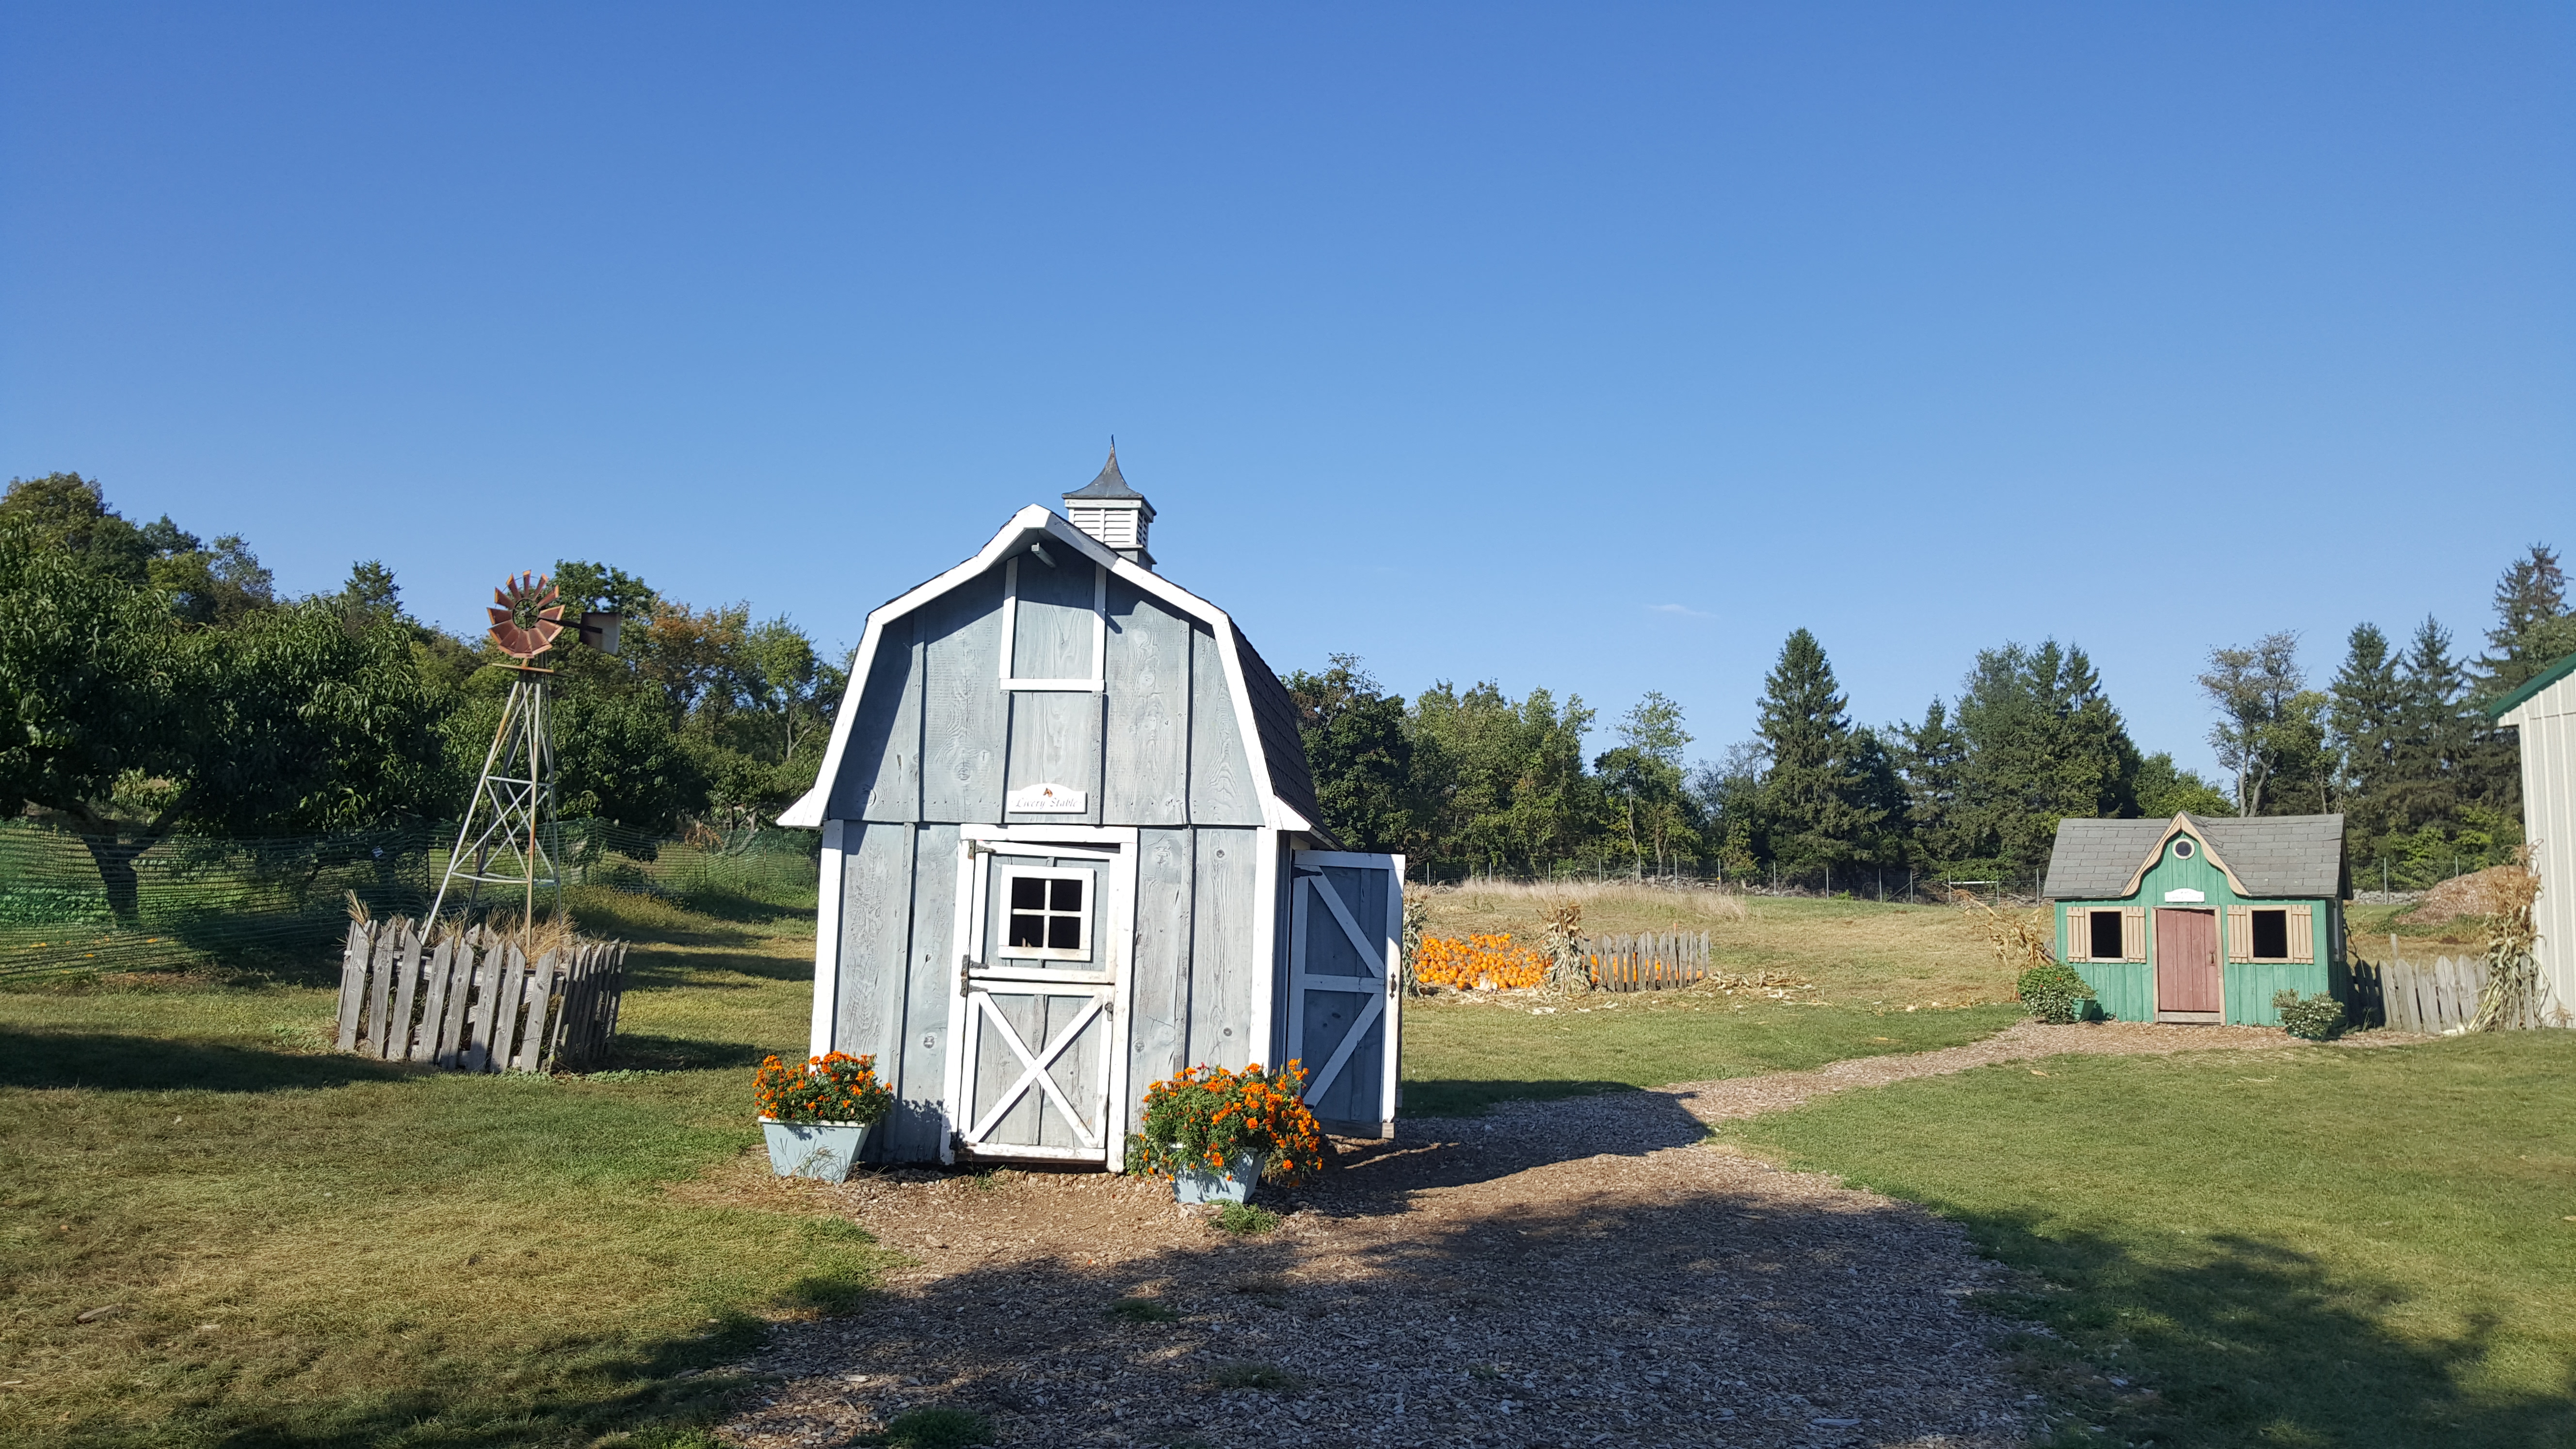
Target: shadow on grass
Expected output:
[2248,1342]
[1470,1097]
[633,1051]
[113,1062]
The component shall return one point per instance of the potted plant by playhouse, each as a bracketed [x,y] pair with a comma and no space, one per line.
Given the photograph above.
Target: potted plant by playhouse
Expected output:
[817,1116]
[1215,1133]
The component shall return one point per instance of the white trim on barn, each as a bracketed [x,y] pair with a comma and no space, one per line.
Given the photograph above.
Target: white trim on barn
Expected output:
[1036,519]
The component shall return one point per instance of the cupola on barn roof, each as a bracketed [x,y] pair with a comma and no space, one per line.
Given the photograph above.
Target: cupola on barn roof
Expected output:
[1110,511]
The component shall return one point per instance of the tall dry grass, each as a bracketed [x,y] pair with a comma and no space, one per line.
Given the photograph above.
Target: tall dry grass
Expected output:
[1686,904]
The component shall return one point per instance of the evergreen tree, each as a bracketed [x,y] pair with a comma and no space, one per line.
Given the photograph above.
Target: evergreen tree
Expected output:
[1814,797]
[2043,743]
[2432,732]
[2365,719]
[1931,760]
[2534,627]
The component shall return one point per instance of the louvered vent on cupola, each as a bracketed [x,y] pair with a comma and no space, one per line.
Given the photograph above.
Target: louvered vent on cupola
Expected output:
[1110,511]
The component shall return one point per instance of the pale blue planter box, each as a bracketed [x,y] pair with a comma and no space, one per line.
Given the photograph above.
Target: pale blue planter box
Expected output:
[822,1150]
[1198,1184]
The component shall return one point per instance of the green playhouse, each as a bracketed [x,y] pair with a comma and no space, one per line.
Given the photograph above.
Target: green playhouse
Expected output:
[2195,920]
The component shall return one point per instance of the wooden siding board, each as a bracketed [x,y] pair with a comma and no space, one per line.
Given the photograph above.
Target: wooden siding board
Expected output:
[965,714]
[876,904]
[1222,951]
[1052,625]
[1222,790]
[1055,740]
[880,775]
[1146,780]
[1159,989]
[919,1068]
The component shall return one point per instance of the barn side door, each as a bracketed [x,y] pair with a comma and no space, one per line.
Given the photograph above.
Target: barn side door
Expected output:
[1346,917]
[1039,1046]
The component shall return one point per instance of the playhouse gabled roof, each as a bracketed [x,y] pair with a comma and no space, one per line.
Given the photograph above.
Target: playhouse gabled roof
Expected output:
[2268,855]
[1265,716]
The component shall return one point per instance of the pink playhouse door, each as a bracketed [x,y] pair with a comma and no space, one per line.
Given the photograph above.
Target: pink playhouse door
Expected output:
[2187,983]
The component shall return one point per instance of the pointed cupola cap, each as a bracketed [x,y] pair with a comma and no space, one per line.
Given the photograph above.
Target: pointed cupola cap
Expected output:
[1110,511]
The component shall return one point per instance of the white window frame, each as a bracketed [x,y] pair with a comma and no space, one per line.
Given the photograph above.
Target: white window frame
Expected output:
[1099,632]
[1002,950]
[2253,952]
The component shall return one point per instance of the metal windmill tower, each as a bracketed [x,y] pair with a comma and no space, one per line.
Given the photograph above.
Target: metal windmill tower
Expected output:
[510,837]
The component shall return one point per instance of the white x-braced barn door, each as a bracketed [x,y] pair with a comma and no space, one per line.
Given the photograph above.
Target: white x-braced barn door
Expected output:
[1046,929]
[1346,918]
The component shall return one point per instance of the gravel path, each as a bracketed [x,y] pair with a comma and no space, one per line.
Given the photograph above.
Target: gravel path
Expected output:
[1554,1273]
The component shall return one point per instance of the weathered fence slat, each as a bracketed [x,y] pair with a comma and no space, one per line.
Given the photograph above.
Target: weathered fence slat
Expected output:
[433,1002]
[1653,961]
[353,983]
[379,982]
[460,988]
[407,953]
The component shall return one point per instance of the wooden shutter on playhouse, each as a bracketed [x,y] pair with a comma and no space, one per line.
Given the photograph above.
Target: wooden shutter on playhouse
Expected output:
[2079,933]
[2240,933]
[2133,933]
[2303,933]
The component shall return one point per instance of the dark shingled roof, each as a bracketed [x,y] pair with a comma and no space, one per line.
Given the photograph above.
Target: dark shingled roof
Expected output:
[2274,855]
[1110,484]
[1275,715]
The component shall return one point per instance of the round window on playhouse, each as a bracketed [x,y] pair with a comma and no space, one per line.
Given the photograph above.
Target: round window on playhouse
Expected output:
[2182,850]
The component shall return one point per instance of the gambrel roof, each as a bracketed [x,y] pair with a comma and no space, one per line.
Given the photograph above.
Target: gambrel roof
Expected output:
[2268,855]
[1265,716]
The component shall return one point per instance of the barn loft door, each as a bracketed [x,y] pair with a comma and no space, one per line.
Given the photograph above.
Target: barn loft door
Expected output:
[1047,927]
[1346,913]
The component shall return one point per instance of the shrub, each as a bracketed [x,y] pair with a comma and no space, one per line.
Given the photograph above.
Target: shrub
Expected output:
[2316,1018]
[1242,1217]
[835,1088]
[1207,1117]
[2055,993]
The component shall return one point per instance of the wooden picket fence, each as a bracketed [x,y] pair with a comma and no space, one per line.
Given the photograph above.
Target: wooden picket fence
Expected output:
[473,1001]
[2430,996]
[1649,962]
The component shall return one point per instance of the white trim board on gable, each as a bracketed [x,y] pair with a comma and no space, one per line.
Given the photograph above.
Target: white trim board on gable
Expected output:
[1039,523]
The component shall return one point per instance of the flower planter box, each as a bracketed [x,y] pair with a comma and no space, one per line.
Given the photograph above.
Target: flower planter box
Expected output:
[821,1150]
[1201,1184]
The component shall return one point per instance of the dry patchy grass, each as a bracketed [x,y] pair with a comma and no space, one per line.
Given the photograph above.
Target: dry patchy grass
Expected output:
[1852,951]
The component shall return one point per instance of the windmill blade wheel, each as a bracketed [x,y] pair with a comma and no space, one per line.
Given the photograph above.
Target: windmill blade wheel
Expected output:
[528,593]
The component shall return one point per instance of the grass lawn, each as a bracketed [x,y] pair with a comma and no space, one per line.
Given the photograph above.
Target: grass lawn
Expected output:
[304,1248]
[1460,1057]
[2350,1247]
[1872,979]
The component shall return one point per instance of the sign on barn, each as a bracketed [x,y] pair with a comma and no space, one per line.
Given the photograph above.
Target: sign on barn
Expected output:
[1070,847]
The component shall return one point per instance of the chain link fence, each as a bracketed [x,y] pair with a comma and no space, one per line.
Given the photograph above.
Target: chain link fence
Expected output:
[195,900]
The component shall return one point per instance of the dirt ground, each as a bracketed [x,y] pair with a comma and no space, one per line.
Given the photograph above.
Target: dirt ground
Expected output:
[1584,1272]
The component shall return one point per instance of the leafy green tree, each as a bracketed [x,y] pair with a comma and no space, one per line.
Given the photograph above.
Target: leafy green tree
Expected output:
[1642,780]
[126,721]
[1502,780]
[1359,752]
[2165,790]
[2253,689]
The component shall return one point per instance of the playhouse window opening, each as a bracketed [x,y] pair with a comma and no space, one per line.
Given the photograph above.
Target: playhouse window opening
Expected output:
[2105,926]
[1050,916]
[2271,935]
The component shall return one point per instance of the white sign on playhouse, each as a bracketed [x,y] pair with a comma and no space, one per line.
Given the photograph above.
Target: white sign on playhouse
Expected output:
[1048,800]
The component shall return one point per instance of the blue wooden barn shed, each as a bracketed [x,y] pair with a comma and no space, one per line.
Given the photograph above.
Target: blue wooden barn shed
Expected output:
[1070,846]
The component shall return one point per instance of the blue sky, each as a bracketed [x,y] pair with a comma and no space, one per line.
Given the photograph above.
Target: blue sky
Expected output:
[1591,347]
